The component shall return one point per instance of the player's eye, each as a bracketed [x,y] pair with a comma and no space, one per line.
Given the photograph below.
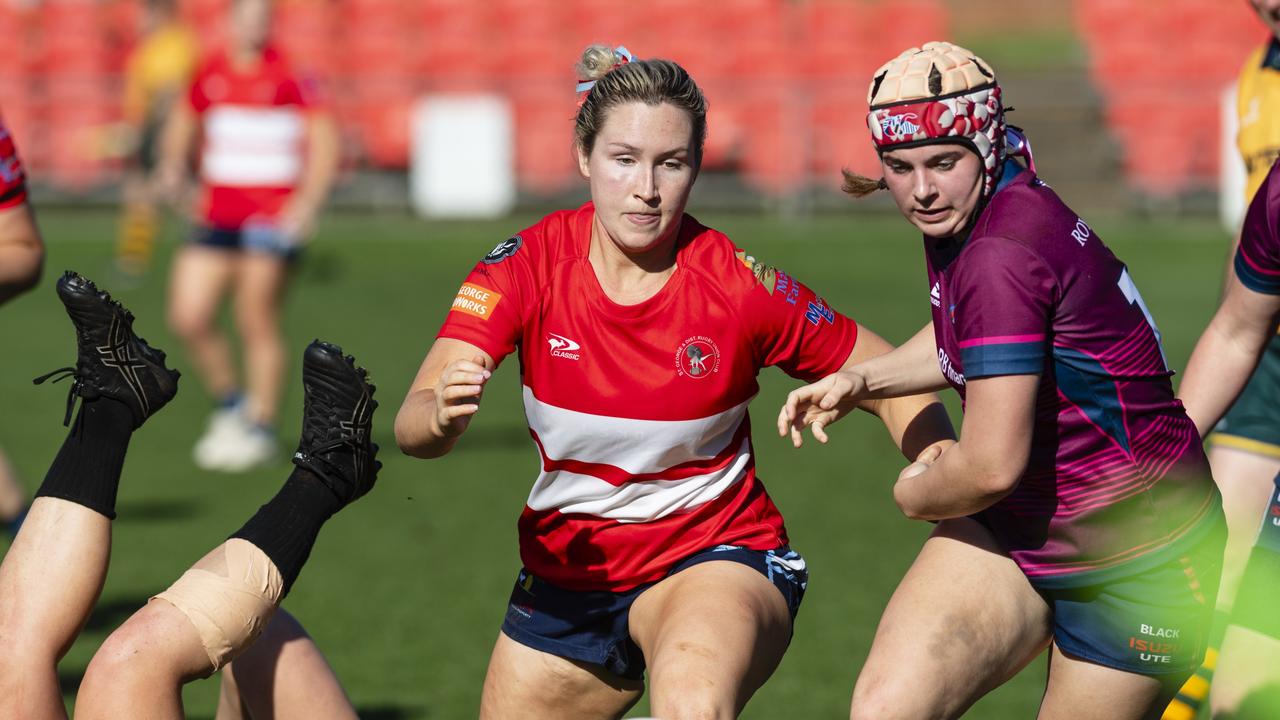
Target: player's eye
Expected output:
[625,160]
[672,164]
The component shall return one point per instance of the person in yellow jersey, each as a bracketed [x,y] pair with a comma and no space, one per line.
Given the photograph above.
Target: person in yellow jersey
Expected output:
[158,70]
[1243,662]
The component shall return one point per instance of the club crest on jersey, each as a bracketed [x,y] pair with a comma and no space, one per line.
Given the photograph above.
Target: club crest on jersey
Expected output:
[698,357]
[563,347]
[503,250]
[766,275]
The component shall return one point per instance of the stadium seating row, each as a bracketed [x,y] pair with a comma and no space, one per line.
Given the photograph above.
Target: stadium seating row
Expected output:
[787,94]
[1162,92]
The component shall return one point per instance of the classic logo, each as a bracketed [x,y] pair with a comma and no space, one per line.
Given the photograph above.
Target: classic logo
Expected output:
[503,250]
[697,357]
[818,311]
[935,295]
[900,126]
[476,300]
[563,347]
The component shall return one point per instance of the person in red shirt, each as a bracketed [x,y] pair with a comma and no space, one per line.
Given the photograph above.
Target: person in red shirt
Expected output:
[21,260]
[647,539]
[267,159]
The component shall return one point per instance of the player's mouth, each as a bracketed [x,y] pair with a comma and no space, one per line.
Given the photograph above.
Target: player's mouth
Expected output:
[931,215]
[643,219]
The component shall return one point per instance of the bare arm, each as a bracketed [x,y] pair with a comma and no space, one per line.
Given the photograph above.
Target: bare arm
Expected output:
[176,142]
[299,216]
[443,398]
[1227,353]
[21,251]
[909,370]
[915,422]
[985,466]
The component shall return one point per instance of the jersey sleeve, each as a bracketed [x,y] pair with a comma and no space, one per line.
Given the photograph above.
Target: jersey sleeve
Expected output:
[13,179]
[1257,262]
[793,328]
[1003,296]
[490,308]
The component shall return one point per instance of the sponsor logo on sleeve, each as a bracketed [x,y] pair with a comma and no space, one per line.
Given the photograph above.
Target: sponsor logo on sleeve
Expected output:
[503,250]
[935,295]
[476,300]
[765,275]
[955,377]
[697,357]
[818,311]
[788,288]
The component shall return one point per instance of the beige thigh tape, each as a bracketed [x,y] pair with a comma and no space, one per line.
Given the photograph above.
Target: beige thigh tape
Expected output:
[229,595]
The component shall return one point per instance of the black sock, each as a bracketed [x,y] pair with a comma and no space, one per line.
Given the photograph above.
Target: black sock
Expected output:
[87,468]
[286,527]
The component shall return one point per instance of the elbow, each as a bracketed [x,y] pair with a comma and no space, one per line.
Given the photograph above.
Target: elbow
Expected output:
[995,483]
[412,443]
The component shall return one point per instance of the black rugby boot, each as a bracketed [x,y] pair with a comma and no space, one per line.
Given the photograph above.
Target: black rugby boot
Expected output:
[337,418]
[111,361]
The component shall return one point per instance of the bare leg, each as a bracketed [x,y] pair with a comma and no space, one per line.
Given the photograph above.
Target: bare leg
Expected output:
[1245,480]
[200,279]
[219,607]
[711,635]
[284,676]
[12,498]
[530,684]
[1081,690]
[963,620]
[260,282]
[49,582]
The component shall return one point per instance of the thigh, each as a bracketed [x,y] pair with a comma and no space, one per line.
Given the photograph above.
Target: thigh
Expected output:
[283,675]
[197,283]
[963,620]
[259,284]
[532,685]
[1246,681]
[711,635]
[1246,481]
[1082,690]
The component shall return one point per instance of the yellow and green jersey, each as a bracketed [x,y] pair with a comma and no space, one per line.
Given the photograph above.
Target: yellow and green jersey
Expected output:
[1259,113]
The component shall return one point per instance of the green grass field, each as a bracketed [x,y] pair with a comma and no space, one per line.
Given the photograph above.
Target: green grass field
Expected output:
[406,589]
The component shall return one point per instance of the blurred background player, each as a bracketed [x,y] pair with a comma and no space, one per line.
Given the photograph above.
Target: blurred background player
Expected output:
[268,154]
[1246,678]
[1244,446]
[648,542]
[157,73]
[21,260]
[1077,511]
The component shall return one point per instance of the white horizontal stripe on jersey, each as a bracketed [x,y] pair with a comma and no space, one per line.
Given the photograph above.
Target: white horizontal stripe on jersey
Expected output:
[637,446]
[634,502]
[252,146]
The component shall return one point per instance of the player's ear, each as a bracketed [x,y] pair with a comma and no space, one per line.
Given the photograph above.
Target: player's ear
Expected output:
[584,161]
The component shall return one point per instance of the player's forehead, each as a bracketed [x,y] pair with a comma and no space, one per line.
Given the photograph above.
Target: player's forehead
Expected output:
[639,126]
[924,154]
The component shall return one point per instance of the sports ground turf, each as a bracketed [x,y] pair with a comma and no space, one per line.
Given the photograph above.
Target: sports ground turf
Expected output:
[405,590]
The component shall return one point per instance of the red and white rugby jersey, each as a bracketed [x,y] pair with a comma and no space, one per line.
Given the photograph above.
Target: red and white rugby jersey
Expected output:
[639,412]
[13,180]
[253,136]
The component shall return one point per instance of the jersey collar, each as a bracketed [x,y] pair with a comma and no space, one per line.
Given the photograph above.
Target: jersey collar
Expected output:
[1271,58]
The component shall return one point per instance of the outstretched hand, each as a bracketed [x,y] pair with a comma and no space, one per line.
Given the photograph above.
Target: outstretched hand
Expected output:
[819,404]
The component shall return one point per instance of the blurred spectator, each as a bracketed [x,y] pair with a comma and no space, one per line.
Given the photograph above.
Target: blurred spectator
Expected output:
[268,152]
[157,72]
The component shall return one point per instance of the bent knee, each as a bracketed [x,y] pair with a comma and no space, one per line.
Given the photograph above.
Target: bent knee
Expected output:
[130,657]
[190,323]
[882,698]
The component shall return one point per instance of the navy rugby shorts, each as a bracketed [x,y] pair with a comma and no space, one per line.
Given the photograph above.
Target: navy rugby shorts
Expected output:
[592,626]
